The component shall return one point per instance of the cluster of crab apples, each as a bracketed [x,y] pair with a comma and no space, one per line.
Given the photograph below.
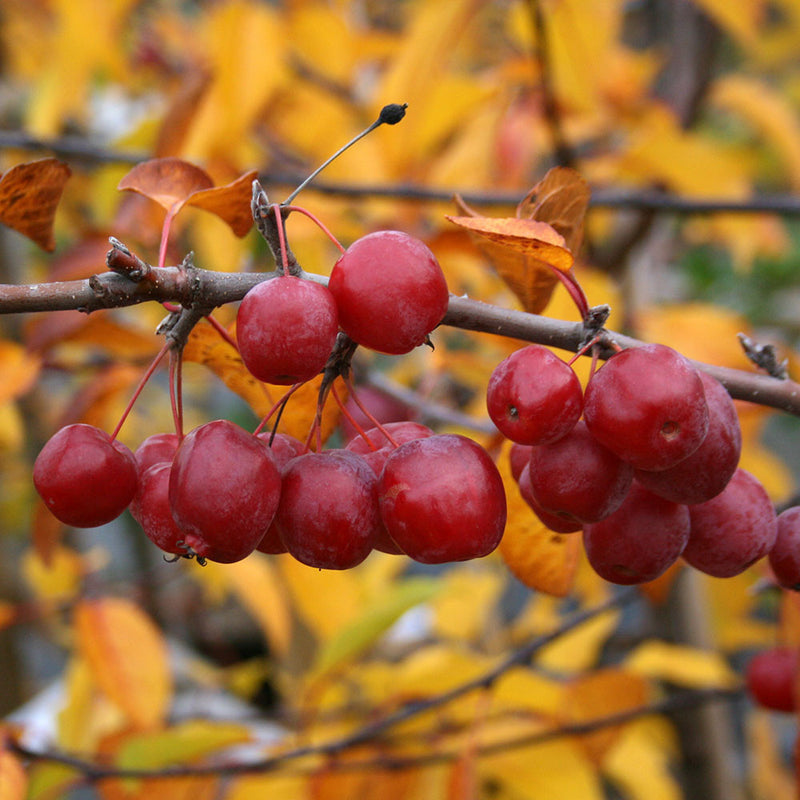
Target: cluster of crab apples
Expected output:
[645,463]
[221,492]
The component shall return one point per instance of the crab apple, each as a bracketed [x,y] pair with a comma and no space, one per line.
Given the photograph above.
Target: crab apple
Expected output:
[732,530]
[518,457]
[442,499]
[286,328]
[283,448]
[577,478]
[224,490]
[390,291]
[151,509]
[784,558]
[534,397]
[640,540]
[706,472]
[155,449]
[554,522]
[375,438]
[647,405]
[328,513]
[771,676]
[84,477]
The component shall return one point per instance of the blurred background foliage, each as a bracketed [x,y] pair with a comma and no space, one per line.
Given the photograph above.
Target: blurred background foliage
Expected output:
[120,659]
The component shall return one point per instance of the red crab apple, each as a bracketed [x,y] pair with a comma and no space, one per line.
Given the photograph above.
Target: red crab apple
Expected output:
[84,477]
[286,328]
[390,291]
[224,490]
[442,499]
[647,405]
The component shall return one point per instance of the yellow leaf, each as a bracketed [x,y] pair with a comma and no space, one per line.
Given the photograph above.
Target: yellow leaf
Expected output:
[255,582]
[769,111]
[13,779]
[768,775]
[524,689]
[50,781]
[375,620]
[86,715]
[243,44]
[542,559]
[546,770]
[58,579]
[741,19]
[206,346]
[465,604]
[127,656]
[640,761]
[253,787]
[681,665]
[326,600]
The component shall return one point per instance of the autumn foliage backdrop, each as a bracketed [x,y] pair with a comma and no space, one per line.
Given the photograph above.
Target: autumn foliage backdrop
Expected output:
[267,678]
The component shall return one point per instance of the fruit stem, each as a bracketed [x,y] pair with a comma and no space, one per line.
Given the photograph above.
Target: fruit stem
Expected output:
[165,231]
[391,115]
[146,377]
[279,406]
[176,389]
[222,331]
[350,418]
[318,222]
[369,416]
[575,291]
[281,239]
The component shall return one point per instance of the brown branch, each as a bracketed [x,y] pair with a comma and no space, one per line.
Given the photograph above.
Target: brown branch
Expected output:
[193,287]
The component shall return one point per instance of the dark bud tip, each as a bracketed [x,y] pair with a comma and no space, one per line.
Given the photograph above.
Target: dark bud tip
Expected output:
[393,113]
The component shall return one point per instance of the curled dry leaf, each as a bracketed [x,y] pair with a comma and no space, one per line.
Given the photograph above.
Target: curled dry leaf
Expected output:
[29,196]
[544,236]
[174,183]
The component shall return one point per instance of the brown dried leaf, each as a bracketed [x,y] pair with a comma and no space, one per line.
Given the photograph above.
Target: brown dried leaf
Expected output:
[524,253]
[230,203]
[29,196]
[545,235]
[560,199]
[169,181]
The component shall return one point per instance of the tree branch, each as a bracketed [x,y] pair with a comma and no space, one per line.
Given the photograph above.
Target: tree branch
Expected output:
[193,287]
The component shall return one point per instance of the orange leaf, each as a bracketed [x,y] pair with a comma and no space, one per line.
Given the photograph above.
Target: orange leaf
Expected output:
[544,236]
[127,656]
[19,369]
[526,236]
[542,559]
[29,196]
[560,199]
[601,694]
[13,778]
[524,253]
[168,181]
[230,203]
[46,532]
